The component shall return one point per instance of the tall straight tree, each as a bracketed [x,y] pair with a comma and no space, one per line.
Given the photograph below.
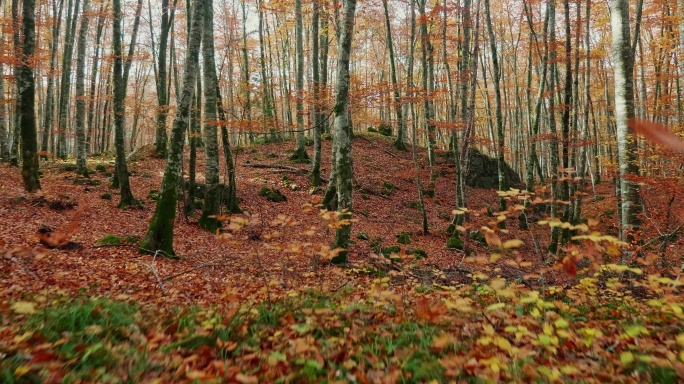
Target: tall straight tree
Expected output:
[65,84]
[318,117]
[127,198]
[401,123]
[93,74]
[343,133]
[4,135]
[499,116]
[300,154]
[427,59]
[81,144]
[50,92]
[162,97]
[623,65]
[212,203]
[159,236]
[27,91]
[16,126]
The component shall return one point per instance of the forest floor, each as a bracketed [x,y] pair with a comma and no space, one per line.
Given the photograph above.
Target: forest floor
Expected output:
[261,303]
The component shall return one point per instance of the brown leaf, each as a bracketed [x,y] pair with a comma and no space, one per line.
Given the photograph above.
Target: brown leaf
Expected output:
[427,311]
[569,266]
[656,133]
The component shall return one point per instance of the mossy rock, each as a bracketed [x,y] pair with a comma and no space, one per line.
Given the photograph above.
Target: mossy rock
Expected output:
[106,196]
[362,236]
[404,238]
[110,240]
[385,130]
[100,168]
[272,194]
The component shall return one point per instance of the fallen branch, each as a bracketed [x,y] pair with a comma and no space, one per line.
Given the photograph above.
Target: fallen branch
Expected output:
[275,166]
[168,278]
[154,272]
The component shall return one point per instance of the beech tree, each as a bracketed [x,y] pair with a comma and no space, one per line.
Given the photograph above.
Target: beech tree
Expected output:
[81,144]
[623,67]
[26,88]
[159,236]
[342,148]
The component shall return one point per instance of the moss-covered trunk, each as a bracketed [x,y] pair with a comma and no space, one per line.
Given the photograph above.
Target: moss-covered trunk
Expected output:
[159,236]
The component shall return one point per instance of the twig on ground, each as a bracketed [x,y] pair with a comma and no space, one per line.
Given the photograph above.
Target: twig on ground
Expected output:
[195,269]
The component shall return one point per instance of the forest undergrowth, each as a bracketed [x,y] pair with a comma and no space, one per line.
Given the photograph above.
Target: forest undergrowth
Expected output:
[260,302]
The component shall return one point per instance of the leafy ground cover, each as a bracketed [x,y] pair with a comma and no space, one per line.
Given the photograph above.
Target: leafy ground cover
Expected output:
[260,303]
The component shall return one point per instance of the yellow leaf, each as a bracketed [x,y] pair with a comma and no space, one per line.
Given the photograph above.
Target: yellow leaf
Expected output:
[245,379]
[441,342]
[561,323]
[515,243]
[626,358]
[24,308]
[496,307]
[22,370]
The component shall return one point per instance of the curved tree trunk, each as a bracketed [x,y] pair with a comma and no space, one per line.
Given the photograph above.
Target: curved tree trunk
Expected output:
[159,236]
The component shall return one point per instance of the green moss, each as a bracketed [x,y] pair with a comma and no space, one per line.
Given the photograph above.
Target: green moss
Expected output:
[100,168]
[106,196]
[362,236]
[455,241]
[478,237]
[372,130]
[153,195]
[418,253]
[385,130]
[387,251]
[272,194]
[404,238]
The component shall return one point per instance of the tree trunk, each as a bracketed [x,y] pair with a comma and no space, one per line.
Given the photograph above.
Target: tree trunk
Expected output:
[428,85]
[127,198]
[65,85]
[623,65]
[318,117]
[231,198]
[300,154]
[401,123]
[26,87]
[81,144]
[16,127]
[501,164]
[4,135]
[159,237]
[93,79]
[162,96]
[212,203]
[50,92]
[342,144]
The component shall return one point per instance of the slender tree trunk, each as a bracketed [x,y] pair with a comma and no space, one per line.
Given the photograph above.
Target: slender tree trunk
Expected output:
[127,198]
[428,85]
[231,198]
[16,127]
[318,117]
[401,123]
[162,96]
[65,85]
[50,92]
[212,202]
[300,154]
[4,135]
[551,110]
[623,65]
[93,73]
[501,164]
[159,237]
[343,131]
[584,156]
[26,87]
[81,144]
[247,112]
[267,101]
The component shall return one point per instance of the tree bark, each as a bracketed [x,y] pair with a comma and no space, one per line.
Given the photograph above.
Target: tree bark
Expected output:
[81,144]
[26,87]
[623,65]
[159,237]
[93,76]
[318,117]
[65,84]
[162,96]
[401,123]
[212,203]
[50,91]
[127,198]
[300,154]
[342,142]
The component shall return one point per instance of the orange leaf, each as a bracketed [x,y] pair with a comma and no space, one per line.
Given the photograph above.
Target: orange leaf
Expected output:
[656,133]
[426,311]
[569,266]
